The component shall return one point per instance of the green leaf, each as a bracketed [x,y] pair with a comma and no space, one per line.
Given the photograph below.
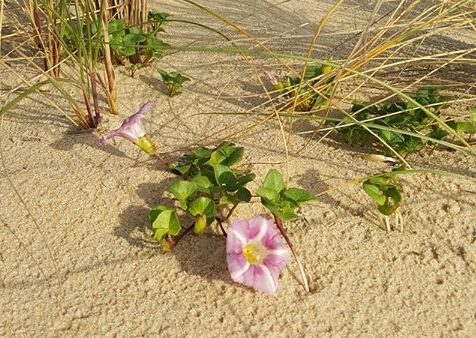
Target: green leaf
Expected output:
[133,39]
[224,176]
[245,179]
[158,17]
[116,27]
[202,153]
[153,213]
[298,195]
[156,45]
[285,214]
[394,194]
[243,195]
[466,127]
[378,180]
[268,194]
[166,222]
[472,114]
[203,206]
[274,181]
[227,154]
[182,190]
[225,201]
[202,181]
[375,193]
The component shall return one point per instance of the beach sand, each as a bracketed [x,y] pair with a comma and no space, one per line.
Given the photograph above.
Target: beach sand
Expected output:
[75,260]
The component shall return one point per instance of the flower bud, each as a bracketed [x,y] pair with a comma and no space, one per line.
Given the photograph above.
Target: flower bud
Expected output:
[326,69]
[200,225]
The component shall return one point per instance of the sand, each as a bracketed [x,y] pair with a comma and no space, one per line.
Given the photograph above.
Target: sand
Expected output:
[75,260]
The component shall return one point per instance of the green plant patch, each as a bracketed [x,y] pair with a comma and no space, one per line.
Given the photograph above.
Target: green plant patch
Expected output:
[401,115]
[173,81]
[312,92]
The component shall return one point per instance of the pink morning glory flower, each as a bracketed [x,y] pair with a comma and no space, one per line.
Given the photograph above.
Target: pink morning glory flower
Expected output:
[133,130]
[256,253]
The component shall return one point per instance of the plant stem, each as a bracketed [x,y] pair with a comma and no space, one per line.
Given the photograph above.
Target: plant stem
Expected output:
[221,227]
[282,230]
[229,213]
[111,89]
[88,108]
[174,240]
[94,90]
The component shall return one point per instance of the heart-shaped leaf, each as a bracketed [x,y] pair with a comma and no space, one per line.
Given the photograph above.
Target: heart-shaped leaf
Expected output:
[274,181]
[203,206]
[182,190]
[298,195]
[165,222]
[374,192]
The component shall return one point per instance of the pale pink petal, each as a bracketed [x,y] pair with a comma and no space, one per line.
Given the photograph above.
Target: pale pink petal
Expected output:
[237,266]
[241,227]
[132,127]
[111,134]
[261,278]
[235,241]
[278,260]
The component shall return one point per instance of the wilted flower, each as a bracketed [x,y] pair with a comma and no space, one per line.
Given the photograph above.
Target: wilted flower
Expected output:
[256,253]
[133,130]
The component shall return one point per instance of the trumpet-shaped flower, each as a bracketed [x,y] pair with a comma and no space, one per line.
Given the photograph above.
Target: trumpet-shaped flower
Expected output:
[256,253]
[133,130]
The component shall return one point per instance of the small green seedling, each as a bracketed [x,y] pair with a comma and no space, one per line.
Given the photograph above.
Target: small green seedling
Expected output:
[281,201]
[157,19]
[173,81]
[317,79]
[384,190]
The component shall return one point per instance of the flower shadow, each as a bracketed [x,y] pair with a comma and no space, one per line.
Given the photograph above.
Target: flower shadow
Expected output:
[87,137]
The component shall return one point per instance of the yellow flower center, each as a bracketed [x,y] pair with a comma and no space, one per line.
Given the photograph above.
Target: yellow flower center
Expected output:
[254,253]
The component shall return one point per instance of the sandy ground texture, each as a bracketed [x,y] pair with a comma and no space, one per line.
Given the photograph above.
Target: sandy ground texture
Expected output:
[74,261]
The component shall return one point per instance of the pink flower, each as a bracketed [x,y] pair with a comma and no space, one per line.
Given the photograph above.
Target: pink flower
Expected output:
[271,78]
[133,130]
[256,253]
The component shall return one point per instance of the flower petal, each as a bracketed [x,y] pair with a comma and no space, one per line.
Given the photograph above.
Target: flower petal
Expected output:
[111,134]
[132,127]
[261,278]
[237,266]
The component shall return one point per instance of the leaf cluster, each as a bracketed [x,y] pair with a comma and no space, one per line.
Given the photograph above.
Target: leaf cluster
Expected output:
[173,81]
[385,192]
[209,185]
[128,41]
[281,201]
[401,115]
[308,98]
